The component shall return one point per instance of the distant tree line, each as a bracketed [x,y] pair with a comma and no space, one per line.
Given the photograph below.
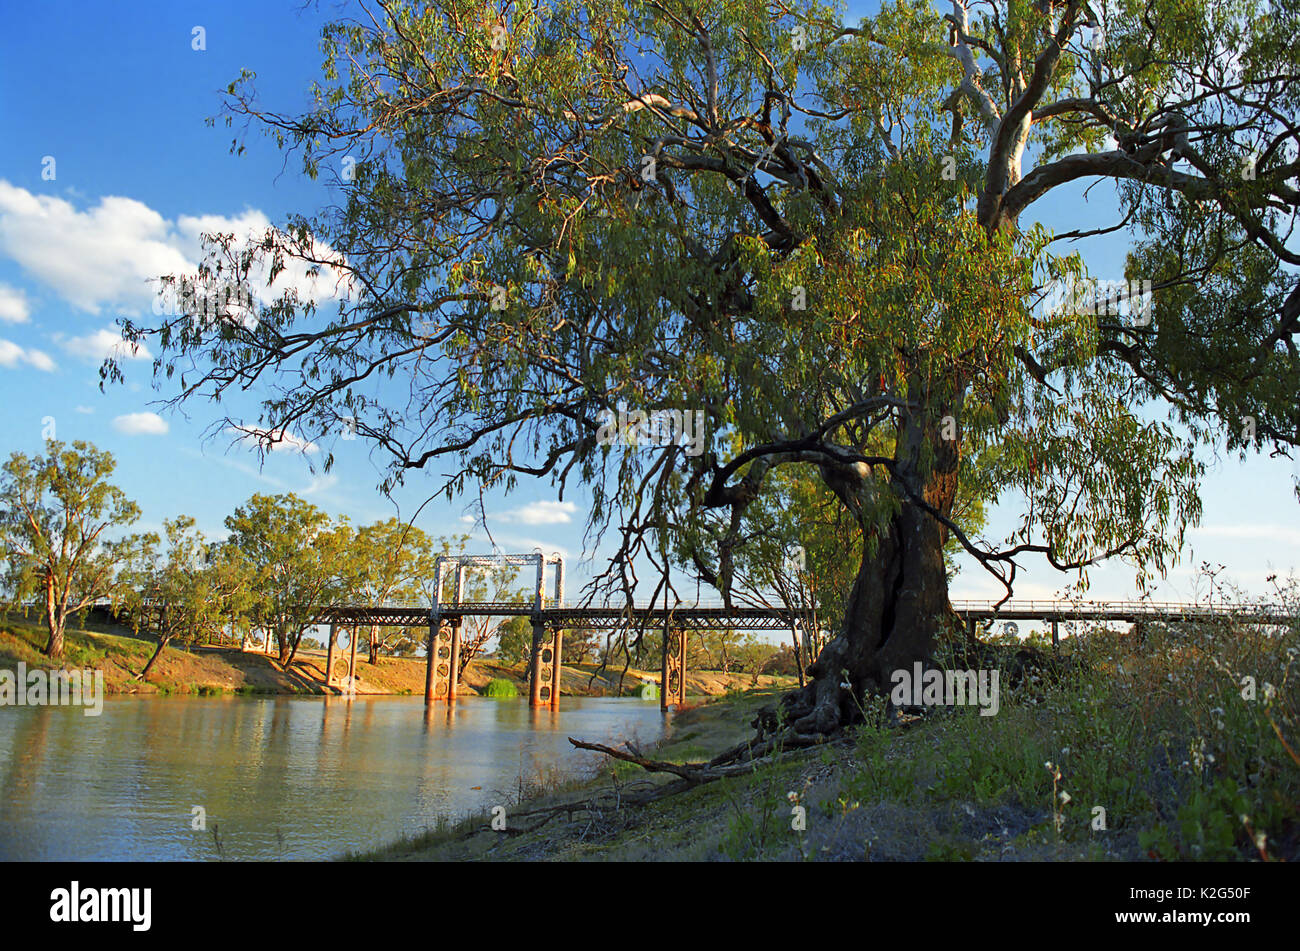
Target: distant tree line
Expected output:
[65,545]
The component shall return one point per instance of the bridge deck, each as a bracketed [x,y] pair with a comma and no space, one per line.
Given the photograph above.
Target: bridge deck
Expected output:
[707,615]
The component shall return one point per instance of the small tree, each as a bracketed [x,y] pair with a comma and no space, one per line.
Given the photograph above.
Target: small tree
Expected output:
[581,644]
[178,594]
[719,649]
[381,563]
[515,640]
[54,512]
[293,557]
[232,586]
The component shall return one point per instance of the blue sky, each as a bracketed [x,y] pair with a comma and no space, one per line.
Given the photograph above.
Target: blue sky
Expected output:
[118,100]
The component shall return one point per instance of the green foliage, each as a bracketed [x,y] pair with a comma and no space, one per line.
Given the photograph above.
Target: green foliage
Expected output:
[291,555]
[890,211]
[501,688]
[55,513]
[515,640]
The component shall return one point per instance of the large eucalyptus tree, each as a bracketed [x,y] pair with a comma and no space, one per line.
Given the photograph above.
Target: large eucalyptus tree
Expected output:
[818,236]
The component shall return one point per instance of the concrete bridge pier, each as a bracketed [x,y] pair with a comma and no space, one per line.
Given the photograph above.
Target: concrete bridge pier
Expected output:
[544,677]
[557,667]
[439,673]
[454,674]
[329,656]
[337,667]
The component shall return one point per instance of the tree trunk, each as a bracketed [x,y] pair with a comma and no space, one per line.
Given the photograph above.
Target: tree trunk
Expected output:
[798,654]
[374,644]
[54,621]
[290,645]
[54,646]
[898,606]
[162,642]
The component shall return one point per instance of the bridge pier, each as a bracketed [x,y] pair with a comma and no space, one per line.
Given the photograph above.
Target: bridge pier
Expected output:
[544,678]
[438,671]
[454,675]
[352,658]
[337,667]
[1056,638]
[329,656]
[672,677]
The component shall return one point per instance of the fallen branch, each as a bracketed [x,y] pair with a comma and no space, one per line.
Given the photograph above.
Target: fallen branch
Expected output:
[689,776]
[739,759]
[691,772]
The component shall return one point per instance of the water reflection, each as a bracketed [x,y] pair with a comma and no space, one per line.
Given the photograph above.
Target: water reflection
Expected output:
[282,777]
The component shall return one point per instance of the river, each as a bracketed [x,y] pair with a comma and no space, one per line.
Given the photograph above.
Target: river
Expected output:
[278,777]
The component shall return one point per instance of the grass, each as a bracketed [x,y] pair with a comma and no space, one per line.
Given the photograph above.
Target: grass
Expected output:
[1179,747]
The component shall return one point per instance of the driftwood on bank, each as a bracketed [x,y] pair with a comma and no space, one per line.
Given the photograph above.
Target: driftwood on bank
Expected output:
[734,762]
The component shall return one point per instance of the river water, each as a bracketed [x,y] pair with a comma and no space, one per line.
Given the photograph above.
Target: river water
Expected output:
[278,777]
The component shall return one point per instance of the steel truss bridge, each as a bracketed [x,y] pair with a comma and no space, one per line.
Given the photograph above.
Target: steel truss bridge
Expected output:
[551,617]
[713,615]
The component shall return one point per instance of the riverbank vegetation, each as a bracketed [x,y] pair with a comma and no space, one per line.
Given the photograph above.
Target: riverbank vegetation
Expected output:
[1175,742]
[283,562]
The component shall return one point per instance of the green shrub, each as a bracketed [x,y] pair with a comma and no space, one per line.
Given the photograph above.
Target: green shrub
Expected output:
[501,688]
[646,692]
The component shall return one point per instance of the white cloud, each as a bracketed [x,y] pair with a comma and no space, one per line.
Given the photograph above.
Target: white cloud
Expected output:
[541,513]
[87,410]
[100,345]
[320,484]
[274,440]
[141,424]
[251,227]
[970,586]
[13,305]
[11,355]
[103,256]
[110,254]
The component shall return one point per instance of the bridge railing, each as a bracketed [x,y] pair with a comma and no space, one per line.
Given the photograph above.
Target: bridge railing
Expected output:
[960,606]
[986,608]
[1153,608]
